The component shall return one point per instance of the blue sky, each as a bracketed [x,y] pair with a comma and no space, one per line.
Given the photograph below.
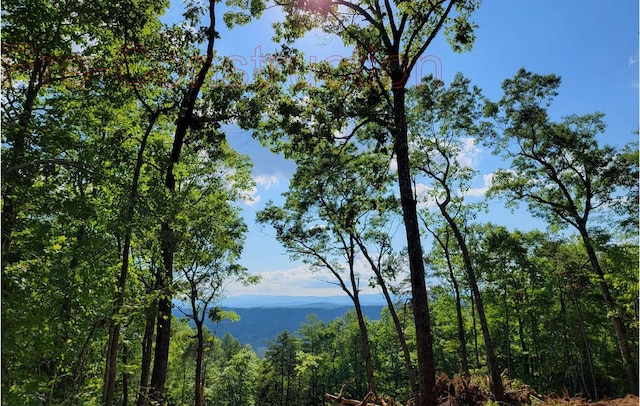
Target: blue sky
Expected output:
[592,45]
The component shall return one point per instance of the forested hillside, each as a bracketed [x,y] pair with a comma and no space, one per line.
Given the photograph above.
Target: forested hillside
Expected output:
[258,326]
[124,201]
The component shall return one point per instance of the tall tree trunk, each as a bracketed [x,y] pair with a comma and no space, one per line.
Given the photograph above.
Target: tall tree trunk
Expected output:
[587,347]
[366,346]
[147,351]
[394,316]
[164,278]
[536,359]
[614,313]
[526,360]
[507,329]
[114,328]
[492,363]
[464,358]
[475,329]
[199,379]
[125,378]
[566,349]
[419,299]
[169,243]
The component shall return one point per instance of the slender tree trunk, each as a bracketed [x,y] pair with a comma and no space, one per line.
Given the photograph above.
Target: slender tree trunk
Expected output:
[125,378]
[526,360]
[492,363]
[396,320]
[366,346]
[444,244]
[536,360]
[614,314]
[168,240]
[566,349]
[507,329]
[587,347]
[114,328]
[419,299]
[403,343]
[78,367]
[464,358]
[147,351]
[475,329]
[199,381]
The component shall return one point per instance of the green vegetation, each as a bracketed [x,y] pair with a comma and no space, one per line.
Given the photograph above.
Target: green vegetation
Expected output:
[120,195]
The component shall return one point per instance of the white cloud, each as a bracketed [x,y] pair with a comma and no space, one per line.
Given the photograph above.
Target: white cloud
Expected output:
[393,165]
[633,60]
[266,181]
[423,196]
[252,196]
[299,281]
[468,153]
[480,191]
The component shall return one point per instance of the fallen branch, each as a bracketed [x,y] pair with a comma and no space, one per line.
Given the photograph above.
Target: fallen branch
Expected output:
[354,402]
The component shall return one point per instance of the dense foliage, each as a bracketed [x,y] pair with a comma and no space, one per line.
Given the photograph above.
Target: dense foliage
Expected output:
[121,196]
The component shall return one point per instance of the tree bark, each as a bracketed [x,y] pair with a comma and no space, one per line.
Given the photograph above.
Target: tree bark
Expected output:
[526,360]
[114,328]
[464,358]
[124,401]
[587,347]
[164,278]
[394,316]
[199,381]
[366,346]
[492,363]
[147,351]
[613,311]
[507,329]
[419,300]
[168,240]
[475,329]
[566,349]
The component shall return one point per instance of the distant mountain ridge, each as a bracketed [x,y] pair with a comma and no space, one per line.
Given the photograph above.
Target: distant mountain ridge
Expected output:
[270,301]
[263,317]
[259,325]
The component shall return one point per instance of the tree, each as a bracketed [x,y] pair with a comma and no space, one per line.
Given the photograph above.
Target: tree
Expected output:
[390,40]
[280,362]
[585,178]
[507,268]
[331,200]
[442,238]
[442,120]
[213,239]
[239,380]
[313,359]
[64,126]
[197,123]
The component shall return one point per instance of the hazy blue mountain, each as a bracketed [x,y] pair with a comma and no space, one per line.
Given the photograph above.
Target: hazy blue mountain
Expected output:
[259,325]
[263,317]
[294,301]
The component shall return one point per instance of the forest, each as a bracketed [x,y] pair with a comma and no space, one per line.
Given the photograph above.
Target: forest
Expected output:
[122,201]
